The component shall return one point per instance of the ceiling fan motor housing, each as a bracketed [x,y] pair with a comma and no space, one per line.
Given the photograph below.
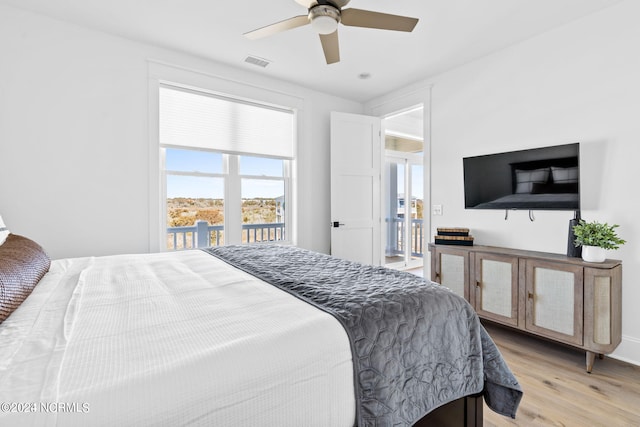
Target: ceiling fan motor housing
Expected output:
[326,12]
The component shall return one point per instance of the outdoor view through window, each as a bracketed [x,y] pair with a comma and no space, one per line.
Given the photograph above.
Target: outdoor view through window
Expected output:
[196,193]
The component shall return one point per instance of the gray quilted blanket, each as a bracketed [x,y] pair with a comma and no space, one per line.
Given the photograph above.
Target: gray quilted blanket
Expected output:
[415,344]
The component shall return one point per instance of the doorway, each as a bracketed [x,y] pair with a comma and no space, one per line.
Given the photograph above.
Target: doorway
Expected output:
[403,188]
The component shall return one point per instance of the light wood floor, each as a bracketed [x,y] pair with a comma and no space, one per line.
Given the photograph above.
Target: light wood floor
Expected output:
[557,389]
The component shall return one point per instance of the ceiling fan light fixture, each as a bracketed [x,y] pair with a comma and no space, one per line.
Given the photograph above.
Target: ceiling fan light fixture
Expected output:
[324,18]
[324,25]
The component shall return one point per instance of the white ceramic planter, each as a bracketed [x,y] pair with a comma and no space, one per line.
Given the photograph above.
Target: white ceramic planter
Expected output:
[593,254]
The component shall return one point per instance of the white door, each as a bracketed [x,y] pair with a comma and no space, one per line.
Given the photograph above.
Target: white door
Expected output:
[355,187]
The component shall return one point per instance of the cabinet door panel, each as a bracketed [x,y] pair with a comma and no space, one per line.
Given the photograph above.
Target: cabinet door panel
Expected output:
[554,300]
[450,268]
[602,312]
[496,295]
[452,273]
[496,287]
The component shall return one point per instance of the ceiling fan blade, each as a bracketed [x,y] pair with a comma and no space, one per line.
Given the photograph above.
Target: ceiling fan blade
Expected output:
[287,24]
[383,21]
[331,47]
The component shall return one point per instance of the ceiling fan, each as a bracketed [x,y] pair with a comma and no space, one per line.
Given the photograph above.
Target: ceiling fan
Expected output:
[325,15]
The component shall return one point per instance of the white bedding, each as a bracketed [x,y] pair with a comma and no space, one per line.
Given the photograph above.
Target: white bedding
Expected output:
[170,339]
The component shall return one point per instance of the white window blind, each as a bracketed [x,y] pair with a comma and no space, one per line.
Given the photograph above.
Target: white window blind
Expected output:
[201,120]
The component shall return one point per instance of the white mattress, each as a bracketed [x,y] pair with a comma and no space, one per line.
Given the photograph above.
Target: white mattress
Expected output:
[170,339]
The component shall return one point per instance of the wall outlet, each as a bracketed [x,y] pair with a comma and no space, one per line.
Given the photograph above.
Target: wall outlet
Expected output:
[437,210]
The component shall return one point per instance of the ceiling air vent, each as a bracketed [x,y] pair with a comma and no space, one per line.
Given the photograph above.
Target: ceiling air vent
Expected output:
[260,62]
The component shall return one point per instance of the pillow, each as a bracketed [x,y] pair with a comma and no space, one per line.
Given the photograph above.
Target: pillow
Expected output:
[564,175]
[4,232]
[526,178]
[22,264]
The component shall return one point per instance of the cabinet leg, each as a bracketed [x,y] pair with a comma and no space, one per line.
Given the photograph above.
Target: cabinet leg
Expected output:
[591,357]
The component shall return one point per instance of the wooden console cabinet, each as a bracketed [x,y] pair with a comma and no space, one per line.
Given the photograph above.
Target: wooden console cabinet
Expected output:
[550,295]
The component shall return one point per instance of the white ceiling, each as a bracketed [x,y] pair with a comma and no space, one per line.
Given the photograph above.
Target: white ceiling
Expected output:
[449,33]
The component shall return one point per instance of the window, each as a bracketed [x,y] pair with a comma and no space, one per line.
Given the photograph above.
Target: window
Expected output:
[263,189]
[226,168]
[194,192]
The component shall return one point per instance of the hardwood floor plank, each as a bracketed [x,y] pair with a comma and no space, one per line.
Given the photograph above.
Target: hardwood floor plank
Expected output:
[557,389]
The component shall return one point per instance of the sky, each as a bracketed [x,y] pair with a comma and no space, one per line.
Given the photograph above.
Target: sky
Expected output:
[417,183]
[213,187]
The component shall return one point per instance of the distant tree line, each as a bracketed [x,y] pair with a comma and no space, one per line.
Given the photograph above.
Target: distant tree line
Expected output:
[184,212]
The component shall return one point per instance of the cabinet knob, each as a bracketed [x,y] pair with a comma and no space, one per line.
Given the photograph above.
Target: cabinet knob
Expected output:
[477,283]
[530,295]
[437,275]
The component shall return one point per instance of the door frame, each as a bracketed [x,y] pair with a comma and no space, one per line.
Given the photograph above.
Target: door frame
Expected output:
[398,102]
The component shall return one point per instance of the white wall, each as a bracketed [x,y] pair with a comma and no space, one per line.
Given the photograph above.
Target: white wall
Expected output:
[74,141]
[578,83]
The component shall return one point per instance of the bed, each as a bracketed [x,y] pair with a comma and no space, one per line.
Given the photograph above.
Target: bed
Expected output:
[198,338]
[533,201]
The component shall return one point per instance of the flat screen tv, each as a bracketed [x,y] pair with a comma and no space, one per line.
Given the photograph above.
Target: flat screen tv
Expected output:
[546,178]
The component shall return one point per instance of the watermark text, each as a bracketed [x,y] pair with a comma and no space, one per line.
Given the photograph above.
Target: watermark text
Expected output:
[45,407]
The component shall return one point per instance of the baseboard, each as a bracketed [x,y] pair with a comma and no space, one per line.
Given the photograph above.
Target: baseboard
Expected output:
[628,350]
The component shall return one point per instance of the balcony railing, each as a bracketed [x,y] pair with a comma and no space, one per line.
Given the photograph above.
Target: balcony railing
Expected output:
[203,235]
[395,236]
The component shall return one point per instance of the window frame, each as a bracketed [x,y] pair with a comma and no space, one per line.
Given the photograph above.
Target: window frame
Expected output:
[163,74]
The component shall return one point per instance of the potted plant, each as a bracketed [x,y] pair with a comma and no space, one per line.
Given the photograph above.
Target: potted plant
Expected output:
[595,238]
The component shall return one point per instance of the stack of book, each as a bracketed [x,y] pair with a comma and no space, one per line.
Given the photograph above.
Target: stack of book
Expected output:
[453,236]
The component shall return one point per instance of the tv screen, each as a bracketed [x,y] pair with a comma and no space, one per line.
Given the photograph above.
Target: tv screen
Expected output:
[545,178]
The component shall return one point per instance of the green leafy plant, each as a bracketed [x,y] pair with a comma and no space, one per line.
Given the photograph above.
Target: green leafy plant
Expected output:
[597,234]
